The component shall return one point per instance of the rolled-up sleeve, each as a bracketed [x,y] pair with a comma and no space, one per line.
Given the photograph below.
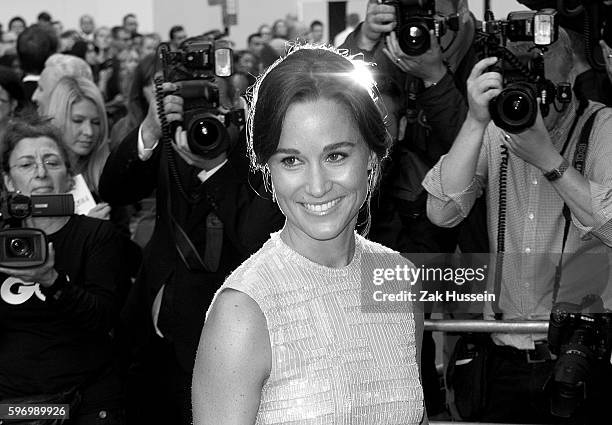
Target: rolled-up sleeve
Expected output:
[601,204]
[449,209]
[599,173]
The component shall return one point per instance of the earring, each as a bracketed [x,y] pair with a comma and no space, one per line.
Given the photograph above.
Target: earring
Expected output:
[273,193]
[372,172]
[268,182]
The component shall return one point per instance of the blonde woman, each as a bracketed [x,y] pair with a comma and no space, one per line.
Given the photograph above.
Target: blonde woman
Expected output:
[77,109]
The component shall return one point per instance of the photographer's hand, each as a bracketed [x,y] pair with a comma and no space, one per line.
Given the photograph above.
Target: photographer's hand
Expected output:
[458,167]
[173,108]
[380,19]
[181,146]
[481,88]
[535,146]
[429,66]
[45,274]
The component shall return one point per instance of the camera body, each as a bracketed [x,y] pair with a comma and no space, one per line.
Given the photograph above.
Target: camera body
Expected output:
[193,68]
[583,341]
[26,247]
[516,108]
[415,18]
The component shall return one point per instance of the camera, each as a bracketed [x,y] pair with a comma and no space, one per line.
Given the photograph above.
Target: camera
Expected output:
[193,68]
[591,18]
[516,108]
[581,337]
[26,247]
[415,18]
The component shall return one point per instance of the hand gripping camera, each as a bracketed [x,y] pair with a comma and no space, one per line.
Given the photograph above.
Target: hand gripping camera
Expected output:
[515,109]
[415,18]
[26,247]
[581,335]
[193,69]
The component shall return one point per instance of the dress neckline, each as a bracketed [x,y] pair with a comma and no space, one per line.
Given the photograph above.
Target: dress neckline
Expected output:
[296,258]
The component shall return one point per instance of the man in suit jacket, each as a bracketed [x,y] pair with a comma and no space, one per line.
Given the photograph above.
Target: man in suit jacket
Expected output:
[170,298]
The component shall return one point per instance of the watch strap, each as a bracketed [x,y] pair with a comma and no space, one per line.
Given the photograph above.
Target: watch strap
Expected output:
[556,173]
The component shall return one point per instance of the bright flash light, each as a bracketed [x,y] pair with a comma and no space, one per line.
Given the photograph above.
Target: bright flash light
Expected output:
[362,75]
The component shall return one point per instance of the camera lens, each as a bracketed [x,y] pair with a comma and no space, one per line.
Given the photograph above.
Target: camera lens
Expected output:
[515,109]
[206,135]
[20,247]
[414,37]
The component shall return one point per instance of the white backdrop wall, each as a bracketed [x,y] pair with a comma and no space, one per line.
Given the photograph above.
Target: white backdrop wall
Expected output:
[196,15]
[105,12]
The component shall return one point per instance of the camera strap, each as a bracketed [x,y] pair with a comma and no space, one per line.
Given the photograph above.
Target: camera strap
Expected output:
[578,163]
[185,248]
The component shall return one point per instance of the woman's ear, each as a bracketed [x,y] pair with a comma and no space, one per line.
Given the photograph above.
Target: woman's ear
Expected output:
[8,182]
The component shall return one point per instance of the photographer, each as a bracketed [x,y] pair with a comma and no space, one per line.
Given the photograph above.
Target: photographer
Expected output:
[210,203]
[425,97]
[541,178]
[56,318]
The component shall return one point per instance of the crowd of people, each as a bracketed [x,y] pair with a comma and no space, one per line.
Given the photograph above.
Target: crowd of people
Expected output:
[213,283]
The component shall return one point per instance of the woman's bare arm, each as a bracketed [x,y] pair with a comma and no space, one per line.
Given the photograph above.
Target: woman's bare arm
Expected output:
[232,363]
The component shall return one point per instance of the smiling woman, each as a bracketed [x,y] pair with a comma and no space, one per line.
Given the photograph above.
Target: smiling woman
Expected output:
[286,339]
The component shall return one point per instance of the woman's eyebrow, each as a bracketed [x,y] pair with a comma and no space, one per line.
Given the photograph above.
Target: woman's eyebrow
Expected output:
[288,151]
[328,148]
[338,145]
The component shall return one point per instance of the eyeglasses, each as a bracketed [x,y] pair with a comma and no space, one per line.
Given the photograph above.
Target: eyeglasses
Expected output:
[28,167]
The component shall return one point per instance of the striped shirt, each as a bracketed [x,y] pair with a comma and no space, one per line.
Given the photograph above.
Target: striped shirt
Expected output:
[535,222]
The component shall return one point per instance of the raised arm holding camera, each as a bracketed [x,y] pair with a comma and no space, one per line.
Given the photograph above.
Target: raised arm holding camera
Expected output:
[423,54]
[544,167]
[211,215]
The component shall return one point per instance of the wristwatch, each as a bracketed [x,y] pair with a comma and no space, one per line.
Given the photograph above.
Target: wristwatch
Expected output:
[556,173]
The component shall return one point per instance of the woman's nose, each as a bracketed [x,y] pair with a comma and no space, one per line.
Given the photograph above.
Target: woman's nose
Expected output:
[319,182]
[86,128]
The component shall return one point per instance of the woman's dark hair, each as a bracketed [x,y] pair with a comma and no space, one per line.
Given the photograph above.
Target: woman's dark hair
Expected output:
[307,74]
[137,104]
[10,82]
[30,125]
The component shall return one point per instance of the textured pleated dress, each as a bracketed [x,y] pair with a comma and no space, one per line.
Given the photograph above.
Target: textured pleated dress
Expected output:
[332,363]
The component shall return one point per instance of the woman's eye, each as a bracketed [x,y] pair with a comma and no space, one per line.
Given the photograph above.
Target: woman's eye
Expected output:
[290,161]
[336,156]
